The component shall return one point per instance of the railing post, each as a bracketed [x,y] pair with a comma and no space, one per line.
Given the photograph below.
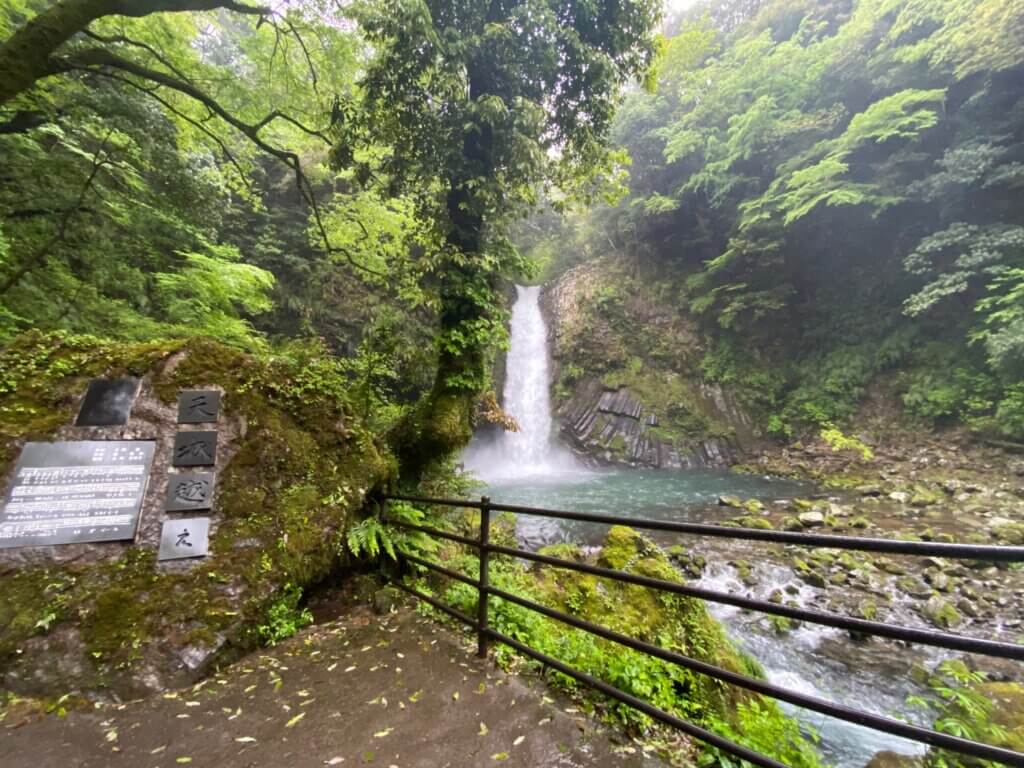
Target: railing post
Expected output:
[484,581]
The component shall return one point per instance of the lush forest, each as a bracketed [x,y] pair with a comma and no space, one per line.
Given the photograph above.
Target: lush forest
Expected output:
[832,189]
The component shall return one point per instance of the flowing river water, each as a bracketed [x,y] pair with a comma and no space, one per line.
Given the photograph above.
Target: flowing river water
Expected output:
[531,468]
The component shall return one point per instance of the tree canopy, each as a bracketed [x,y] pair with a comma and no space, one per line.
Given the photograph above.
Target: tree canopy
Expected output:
[831,186]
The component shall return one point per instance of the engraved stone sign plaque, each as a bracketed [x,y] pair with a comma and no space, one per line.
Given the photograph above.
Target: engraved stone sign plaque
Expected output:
[184,538]
[195,449]
[198,406]
[107,403]
[188,492]
[65,493]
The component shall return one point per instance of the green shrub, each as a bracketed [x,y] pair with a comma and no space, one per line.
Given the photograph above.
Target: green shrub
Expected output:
[767,730]
[961,710]
[285,617]
[838,441]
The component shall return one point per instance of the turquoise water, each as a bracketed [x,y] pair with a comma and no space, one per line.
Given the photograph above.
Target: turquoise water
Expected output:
[658,495]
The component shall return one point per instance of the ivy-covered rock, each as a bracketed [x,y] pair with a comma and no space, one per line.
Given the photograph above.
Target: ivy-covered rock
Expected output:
[294,465]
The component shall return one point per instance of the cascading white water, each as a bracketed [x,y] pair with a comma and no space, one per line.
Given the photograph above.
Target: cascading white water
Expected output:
[532,450]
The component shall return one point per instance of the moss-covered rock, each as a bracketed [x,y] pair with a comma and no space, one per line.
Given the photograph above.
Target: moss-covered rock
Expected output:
[296,467]
[1007,711]
[941,613]
[684,623]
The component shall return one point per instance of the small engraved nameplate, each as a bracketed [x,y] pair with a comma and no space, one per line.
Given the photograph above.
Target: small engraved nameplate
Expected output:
[107,403]
[195,449]
[189,492]
[184,538]
[198,406]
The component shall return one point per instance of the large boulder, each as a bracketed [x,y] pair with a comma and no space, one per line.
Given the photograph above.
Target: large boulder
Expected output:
[293,467]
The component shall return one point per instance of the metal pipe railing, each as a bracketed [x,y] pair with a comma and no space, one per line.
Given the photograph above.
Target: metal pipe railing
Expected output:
[884,724]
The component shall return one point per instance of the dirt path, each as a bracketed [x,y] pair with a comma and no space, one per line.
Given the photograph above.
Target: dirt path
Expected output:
[387,691]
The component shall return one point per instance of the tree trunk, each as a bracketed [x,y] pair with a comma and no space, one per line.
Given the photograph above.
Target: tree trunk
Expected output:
[443,421]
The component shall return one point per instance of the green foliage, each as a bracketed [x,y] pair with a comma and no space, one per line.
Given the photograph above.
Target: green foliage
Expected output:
[838,441]
[211,291]
[284,617]
[960,710]
[829,187]
[371,537]
[766,730]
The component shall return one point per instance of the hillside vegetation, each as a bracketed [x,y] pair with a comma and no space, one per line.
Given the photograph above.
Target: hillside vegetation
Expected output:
[830,189]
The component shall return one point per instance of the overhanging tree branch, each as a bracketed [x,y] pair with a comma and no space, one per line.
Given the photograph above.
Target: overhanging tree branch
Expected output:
[25,55]
[101,61]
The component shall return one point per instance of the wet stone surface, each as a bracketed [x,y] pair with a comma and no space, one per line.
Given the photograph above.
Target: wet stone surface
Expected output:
[394,690]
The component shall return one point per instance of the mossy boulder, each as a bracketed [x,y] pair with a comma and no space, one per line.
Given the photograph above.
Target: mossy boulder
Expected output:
[941,613]
[1007,711]
[294,466]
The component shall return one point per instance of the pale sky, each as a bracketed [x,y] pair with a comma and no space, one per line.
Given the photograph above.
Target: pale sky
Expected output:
[673,6]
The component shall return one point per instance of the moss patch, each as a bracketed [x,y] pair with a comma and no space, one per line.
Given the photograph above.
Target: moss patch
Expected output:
[300,474]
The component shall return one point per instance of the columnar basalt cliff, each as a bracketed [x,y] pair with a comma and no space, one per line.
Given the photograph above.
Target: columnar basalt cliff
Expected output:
[627,385]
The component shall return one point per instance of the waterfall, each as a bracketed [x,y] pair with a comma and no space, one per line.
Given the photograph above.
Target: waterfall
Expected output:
[532,450]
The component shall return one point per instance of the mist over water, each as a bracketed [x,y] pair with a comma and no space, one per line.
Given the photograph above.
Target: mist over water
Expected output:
[532,451]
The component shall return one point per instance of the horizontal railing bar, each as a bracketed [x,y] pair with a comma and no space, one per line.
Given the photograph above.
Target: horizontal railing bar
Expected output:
[632,701]
[453,612]
[434,532]
[987,552]
[858,717]
[440,569]
[906,634]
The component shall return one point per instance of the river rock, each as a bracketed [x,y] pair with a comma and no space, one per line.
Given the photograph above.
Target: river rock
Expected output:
[941,613]
[939,580]
[900,497]
[1010,533]
[968,608]
[815,579]
[914,587]
[753,506]
[812,518]
[730,501]
[868,609]
[888,759]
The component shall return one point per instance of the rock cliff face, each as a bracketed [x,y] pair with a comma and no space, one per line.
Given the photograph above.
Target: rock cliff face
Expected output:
[614,427]
[627,384]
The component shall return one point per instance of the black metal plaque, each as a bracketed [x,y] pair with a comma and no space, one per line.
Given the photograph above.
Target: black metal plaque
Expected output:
[107,403]
[64,493]
[198,406]
[187,492]
[195,449]
[184,538]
